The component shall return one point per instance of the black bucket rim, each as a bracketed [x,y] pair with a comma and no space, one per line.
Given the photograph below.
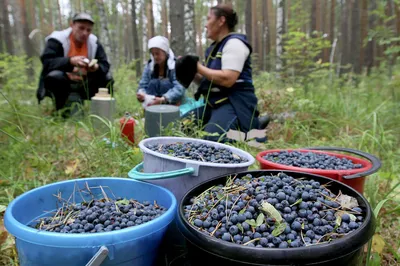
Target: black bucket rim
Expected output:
[258,256]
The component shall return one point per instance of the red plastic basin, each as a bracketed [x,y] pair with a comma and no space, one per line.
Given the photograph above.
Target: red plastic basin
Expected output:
[355,178]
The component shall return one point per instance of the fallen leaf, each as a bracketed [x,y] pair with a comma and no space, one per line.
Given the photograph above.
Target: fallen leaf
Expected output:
[347,201]
[378,243]
[2,208]
[72,167]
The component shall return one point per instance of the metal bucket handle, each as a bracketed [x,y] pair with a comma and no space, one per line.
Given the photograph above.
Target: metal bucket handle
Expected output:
[136,173]
[376,163]
[99,257]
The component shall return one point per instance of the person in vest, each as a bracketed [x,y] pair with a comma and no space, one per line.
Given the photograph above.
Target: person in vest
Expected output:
[67,74]
[226,77]
[158,84]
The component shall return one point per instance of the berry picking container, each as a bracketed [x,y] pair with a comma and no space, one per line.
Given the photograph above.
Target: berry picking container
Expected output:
[203,249]
[179,175]
[136,245]
[355,178]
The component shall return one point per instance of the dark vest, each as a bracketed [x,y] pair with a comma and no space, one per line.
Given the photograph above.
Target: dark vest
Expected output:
[241,95]
[213,57]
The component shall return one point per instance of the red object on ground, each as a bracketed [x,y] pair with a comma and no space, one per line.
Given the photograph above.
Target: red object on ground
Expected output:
[340,175]
[127,125]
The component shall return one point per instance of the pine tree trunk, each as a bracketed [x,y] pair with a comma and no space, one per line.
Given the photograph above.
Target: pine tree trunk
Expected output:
[28,47]
[164,18]
[370,50]
[136,46]
[254,34]
[2,44]
[314,15]
[280,24]
[9,44]
[60,24]
[345,36]
[106,36]
[248,18]
[190,27]
[271,30]
[177,26]
[332,23]
[50,7]
[199,28]
[356,38]
[266,47]
[364,31]
[150,19]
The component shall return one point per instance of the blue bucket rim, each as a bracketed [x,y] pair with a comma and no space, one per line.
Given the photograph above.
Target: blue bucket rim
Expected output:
[54,239]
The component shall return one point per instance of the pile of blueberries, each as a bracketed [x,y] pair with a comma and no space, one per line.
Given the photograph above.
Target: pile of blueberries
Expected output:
[307,212]
[198,152]
[101,216]
[311,160]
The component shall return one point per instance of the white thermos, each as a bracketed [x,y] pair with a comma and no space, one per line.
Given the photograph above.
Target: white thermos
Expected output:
[103,105]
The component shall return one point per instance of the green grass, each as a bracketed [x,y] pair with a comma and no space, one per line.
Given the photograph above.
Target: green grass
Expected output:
[37,148]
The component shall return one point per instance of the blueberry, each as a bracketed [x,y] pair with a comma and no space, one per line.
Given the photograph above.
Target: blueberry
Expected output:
[233,230]
[353,225]
[345,217]
[296,226]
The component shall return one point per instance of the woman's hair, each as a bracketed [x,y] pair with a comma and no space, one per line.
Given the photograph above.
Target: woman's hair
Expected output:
[224,10]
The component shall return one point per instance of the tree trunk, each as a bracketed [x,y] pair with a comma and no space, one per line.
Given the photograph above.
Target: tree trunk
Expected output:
[105,36]
[136,46]
[60,24]
[345,36]
[248,21]
[164,18]
[190,27]
[332,23]
[50,7]
[199,28]
[370,50]
[150,19]
[6,28]
[177,26]
[280,24]
[314,15]
[2,45]
[271,29]
[356,38]
[28,47]
[266,46]
[254,34]
[364,31]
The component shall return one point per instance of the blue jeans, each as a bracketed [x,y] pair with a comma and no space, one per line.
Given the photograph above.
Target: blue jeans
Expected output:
[218,120]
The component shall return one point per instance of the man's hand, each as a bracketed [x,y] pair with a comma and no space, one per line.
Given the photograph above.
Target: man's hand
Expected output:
[140,97]
[157,100]
[78,61]
[93,68]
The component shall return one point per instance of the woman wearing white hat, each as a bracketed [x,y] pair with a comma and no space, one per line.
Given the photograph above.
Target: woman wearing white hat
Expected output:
[158,84]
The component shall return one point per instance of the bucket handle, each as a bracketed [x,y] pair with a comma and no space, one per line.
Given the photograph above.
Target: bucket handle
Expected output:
[136,173]
[99,257]
[376,163]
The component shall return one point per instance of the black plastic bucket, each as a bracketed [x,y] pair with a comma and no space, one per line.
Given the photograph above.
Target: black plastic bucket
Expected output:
[203,249]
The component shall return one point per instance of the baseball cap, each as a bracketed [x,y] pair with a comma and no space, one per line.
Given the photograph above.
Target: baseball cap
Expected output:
[83,17]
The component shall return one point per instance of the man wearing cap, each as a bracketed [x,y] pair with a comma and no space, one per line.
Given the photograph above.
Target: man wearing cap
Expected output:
[158,84]
[74,64]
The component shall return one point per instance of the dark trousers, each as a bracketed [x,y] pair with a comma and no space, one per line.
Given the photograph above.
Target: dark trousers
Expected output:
[217,121]
[60,86]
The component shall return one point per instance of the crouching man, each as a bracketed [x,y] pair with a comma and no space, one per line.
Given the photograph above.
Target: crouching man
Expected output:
[75,64]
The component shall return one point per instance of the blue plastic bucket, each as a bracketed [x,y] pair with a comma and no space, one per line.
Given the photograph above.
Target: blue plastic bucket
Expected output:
[136,245]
